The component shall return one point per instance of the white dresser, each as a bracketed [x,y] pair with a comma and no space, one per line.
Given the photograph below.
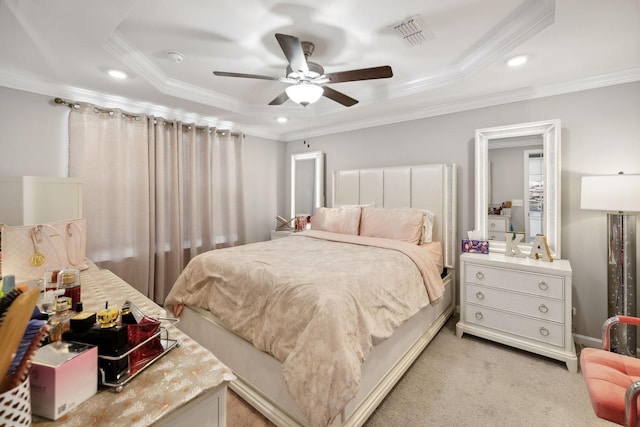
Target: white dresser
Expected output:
[520,302]
[497,225]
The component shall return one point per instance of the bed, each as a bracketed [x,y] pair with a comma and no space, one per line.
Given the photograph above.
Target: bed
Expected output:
[265,377]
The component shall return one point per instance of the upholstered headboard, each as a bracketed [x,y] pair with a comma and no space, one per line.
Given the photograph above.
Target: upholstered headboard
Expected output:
[430,187]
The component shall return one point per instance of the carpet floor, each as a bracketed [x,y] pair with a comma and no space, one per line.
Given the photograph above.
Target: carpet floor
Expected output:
[471,382]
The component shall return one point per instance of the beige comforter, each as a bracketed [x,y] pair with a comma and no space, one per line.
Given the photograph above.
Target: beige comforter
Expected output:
[315,302]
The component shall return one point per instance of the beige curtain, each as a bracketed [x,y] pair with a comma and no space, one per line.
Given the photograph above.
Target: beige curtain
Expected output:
[109,153]
[193,193]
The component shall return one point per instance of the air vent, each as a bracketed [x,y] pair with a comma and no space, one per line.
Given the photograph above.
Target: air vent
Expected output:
[412,31]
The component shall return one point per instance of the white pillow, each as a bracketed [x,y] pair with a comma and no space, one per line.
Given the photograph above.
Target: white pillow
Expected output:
[398,224]
[427,231]
[337,220]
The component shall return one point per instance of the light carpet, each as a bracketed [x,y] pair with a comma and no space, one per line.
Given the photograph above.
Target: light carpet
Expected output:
[471,382]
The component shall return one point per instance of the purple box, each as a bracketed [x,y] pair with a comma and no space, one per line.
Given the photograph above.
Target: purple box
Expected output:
[475,246]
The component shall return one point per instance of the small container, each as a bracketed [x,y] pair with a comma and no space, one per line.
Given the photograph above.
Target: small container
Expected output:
[69,280]
[59,322]
[51,279]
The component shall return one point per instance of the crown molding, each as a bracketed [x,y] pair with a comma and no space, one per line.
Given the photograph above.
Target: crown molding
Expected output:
[30,83]
[466,104]
[524,22]
[528,19]
[121,48]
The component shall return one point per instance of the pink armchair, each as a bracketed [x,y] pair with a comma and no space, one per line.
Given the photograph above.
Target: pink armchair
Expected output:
[613,380]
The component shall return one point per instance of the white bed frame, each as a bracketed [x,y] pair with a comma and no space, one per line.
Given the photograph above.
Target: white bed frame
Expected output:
[260,381]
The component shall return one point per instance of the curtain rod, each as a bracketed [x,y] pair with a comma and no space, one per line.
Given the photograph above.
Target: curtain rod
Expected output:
[75,105]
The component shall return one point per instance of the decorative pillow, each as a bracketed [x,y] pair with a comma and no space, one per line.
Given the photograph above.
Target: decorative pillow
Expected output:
[337,220]
[398,224]
[427,231]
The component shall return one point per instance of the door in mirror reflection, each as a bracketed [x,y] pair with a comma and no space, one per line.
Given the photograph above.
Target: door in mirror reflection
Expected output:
[534,193]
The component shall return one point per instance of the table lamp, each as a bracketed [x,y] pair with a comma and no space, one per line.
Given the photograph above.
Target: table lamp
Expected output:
[618,195]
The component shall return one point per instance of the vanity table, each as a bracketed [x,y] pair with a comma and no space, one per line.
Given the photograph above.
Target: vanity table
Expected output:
[187,386]
[521,302]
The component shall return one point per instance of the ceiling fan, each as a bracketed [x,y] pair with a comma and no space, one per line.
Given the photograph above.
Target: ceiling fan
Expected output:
[308,79]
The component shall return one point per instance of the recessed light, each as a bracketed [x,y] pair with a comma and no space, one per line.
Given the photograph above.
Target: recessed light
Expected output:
[517,60]
[117,74]
[281,119]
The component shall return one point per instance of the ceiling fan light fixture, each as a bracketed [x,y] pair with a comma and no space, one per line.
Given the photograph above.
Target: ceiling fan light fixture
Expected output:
[304,93]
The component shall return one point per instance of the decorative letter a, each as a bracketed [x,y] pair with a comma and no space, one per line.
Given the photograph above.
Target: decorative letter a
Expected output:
[540,249]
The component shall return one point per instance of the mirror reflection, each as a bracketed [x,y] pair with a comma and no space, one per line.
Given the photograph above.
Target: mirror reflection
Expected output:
[516,187]
[518,183]
[307,183]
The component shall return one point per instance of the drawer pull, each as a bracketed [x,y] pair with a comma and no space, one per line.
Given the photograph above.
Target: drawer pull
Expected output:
[479,315]
[479,295]
[493,225]
[479,275]
[544,331]
[543,308]
[543,286]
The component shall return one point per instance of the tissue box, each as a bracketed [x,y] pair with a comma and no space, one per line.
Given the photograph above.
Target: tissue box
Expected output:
[62,376]
[476,246]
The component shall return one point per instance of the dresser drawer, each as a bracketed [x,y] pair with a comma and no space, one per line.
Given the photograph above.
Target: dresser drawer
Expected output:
[526,327]
[531,283]
[534,306]
[497,224]
[497,236]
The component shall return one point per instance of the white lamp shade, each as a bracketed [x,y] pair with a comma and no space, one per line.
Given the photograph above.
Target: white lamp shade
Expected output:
[304,93]
[615,193]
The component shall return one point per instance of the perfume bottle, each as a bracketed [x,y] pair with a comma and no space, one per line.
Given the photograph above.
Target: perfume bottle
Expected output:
[69,280]
[111,340]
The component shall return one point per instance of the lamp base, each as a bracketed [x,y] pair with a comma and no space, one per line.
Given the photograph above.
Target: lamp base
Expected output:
[621,280]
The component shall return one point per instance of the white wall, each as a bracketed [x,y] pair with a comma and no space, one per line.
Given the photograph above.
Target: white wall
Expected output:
[33,141]
[33,135]
[600,135]
[264,170]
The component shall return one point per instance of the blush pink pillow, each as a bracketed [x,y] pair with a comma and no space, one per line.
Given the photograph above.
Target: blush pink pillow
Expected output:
[397,224]
[337,220]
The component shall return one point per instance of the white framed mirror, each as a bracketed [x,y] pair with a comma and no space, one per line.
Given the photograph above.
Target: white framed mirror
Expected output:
[534,169]
[307,183]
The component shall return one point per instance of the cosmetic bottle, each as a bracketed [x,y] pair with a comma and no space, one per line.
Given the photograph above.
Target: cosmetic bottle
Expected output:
[69,280]
[59,322]
[110,338]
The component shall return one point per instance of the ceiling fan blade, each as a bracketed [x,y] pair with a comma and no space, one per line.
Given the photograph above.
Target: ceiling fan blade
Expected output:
[339,97]
[280,99]
[292,49]
[246,76]
[362,74]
